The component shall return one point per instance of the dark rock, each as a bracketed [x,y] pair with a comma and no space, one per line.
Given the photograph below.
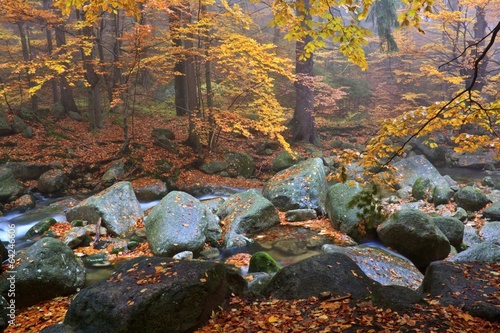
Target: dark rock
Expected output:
[154,295]
[10,188]
[53,181]
[283,160]
[263,262]
[413,234]
[302,186]
[422,189]
[163,132]
[380,265]
[213,167]
[167,144]
[24,202]
[471,198]
[442,195]
[114,173]
[335,273]
[18,125]
[298,215]
[149,189]
[48,269]
[451,227]
[239,164]
[482,252]
[463,285]
[492,212]
[58,328]
[5,128]
[40,228]
[30,171]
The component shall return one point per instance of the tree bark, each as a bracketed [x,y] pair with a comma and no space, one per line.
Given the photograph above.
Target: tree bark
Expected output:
[302,124]
[26,48]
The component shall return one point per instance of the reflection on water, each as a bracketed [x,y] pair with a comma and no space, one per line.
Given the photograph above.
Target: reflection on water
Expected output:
[466,175]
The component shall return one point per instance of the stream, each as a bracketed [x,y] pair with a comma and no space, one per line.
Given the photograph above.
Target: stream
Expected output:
[286,244]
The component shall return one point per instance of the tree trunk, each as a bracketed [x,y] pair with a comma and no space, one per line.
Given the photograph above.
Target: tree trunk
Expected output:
[302,124]
[50,50]
[25,44]
[66,93]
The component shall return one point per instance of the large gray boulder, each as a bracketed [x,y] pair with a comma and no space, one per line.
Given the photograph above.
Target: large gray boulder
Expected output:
[380,265]
[491,232]
[343,215]
[482,252]
[451,227]
[47,269]
[465,286]
[245,214]
[10,188]
[300,186]
[471,198]
[409,169]
[154,294]
[413,234]
[117,206]
[53,181]
[177,223]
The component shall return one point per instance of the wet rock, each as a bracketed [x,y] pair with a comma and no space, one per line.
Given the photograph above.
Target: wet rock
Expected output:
[302,186]
[482,252]
[298,215]
[149,189]
[471,198]
[153,294]
[40,227]
[48,269]
[413,234]
[490,232]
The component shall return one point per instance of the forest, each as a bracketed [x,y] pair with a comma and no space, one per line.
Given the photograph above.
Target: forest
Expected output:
[357,81]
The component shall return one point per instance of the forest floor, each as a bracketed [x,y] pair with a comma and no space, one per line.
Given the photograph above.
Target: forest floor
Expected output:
[70,143]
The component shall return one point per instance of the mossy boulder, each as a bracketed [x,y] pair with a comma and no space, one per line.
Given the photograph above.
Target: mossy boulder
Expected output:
[263,262]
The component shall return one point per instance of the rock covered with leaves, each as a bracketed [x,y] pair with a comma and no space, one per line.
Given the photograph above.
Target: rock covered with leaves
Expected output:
[47,269]
[300,186]
[153,294]
[117,206]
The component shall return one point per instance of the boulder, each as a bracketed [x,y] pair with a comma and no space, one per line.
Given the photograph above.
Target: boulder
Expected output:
[283,160]
[343,214]
[464,286]
[491,232]
[30,171]
[422,189]
[213,167]
[114,173]
[442,195]
[163,132]
[452,228]
[471,236]
[492,212]
[53,181]
[409,169]
[381,265]
[5,128]
[471,198]
[262,262]
[482,252]
[177,223]
[298,215]
[18,125]
[10,188]
[149,189]
[245,214]
[154,295]
[332,272]
[302,186]
[40,227]
[239,164]
[47,269]
[117,206]
[413,234]
[24,202]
